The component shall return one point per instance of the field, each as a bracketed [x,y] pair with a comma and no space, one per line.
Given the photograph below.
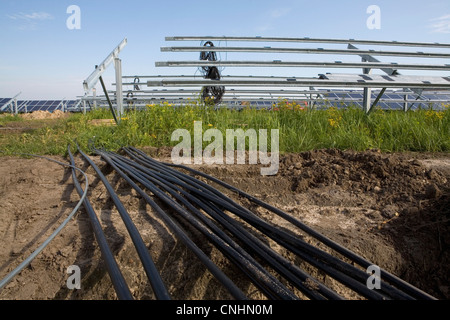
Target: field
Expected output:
[376,184]
[300,129]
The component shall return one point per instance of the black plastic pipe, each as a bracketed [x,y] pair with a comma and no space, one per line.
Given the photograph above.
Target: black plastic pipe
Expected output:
[349,269]
[268,231]
[270,285]
[153,275]
[407,287]
[212,200]
[119,283]
[180,233]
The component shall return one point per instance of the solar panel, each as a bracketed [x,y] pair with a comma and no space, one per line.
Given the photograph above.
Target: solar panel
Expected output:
[355,95]
[393,96]
[51,105]
[33,108]
[432,96]
[333,95]
[324,98]
[34,103]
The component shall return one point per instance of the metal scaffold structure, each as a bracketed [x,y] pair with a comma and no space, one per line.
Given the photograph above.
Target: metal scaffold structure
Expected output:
[365,82]
[388,89]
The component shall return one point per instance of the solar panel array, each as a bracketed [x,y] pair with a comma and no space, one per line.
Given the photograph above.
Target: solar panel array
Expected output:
[389,100]
[3,101]
[322,98]
[40,105]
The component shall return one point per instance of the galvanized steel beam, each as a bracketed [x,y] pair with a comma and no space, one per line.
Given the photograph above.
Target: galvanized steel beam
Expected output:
[92,80]
[418,54]
[354,81]
[309,40]
[307,64]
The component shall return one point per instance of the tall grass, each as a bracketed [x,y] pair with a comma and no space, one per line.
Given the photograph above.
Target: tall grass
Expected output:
[300,128]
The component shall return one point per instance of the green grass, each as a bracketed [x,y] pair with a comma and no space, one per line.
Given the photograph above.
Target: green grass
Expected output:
[5,118]
[300,129]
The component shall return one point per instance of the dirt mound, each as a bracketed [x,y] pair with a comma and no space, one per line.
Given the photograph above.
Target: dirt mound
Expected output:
[392,179]
[44,115]
[402,199]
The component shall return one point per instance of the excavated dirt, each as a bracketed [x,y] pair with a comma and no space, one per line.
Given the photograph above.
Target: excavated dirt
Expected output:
[57,114]
[392,209]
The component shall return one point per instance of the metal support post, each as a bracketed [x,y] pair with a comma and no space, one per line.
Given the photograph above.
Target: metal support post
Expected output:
[94,94]
[84,106]
[15,107]
[367,95]
[405,104]
[119,92]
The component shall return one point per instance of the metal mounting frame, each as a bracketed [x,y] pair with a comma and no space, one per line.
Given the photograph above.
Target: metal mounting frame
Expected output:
[367,81]
[95,76]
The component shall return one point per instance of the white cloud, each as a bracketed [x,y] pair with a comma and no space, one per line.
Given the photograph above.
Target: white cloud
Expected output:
[441,24]
[34,16]
[29,21]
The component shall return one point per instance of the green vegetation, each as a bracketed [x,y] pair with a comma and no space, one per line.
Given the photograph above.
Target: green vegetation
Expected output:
[9,118]
[300,128]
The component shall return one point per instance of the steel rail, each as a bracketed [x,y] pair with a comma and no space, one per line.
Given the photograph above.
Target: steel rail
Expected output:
[119,283]
[264,280]
[178,230]
[309,51]
[256,91]
[274,260]
[309,40]
[149,266]
[193,76]
[307,82]
[269,96]
[305,64]
[276,235]
[408,288]
[272,92]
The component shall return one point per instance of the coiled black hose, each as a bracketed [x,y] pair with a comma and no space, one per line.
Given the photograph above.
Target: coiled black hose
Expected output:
[215,93]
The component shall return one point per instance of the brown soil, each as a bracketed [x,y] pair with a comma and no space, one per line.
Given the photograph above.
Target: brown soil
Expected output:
[392,209]
[57,114]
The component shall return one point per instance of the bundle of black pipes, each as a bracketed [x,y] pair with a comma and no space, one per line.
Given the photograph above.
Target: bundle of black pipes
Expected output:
[213,214]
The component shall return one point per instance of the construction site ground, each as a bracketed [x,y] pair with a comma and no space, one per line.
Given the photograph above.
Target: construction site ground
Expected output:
[391,208]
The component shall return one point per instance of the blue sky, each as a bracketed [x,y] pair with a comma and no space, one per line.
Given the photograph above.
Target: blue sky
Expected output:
[44,59]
